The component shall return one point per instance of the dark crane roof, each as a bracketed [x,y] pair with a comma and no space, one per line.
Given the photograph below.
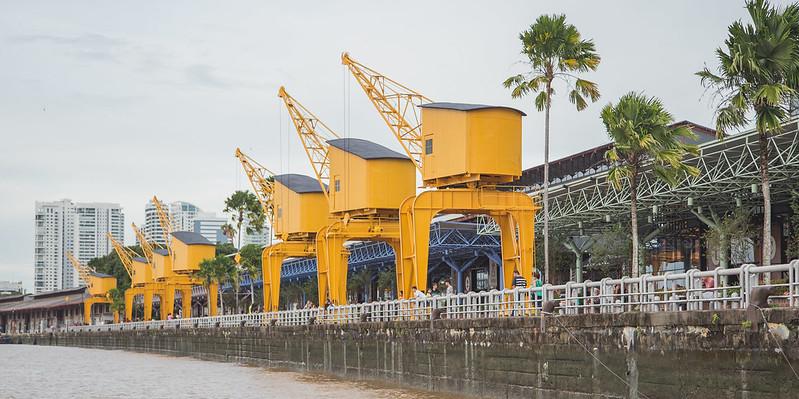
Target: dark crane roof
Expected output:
[191,238]
[467,107]
[365,149]
[300,184]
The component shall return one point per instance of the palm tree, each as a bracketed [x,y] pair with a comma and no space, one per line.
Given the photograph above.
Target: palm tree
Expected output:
[251,264]
[758,75]
[642,136]
[244,205]
[117,297]
[554,50]
[216,270]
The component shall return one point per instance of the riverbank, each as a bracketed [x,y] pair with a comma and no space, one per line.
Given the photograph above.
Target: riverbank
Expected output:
[661,355]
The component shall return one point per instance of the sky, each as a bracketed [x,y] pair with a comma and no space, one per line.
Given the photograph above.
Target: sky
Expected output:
[118,101]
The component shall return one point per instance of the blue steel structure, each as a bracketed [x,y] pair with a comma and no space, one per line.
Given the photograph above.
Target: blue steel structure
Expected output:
[456,245]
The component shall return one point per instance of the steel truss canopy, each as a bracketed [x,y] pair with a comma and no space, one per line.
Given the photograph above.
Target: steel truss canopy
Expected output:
[729,174]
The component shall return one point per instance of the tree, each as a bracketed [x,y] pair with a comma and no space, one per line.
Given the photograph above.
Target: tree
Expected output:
[244,205]
[758,74]
[251,264]
[554,50]
[793,238]
[723,230]
[610,253]
[358,283]
[639,128]
[216,270]
[117,297]
[111,265]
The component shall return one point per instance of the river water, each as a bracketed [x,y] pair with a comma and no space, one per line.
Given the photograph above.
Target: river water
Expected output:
[50,372]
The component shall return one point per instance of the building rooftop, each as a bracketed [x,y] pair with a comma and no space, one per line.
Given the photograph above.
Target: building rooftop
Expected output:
[365,149]
[300,184]
[140,259]
[593,160]
[161,251]
[191,238]
[467,107]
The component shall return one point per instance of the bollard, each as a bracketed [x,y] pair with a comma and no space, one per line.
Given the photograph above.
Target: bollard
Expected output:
[272,322]
[758,299]
[438,314]
[312,320]
[365,317]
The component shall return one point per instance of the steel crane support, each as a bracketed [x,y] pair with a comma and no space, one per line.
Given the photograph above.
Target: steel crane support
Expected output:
[514,212]
[332,255]
[313,134]
[178,282]
[97,287]
[272,257]
[396,104]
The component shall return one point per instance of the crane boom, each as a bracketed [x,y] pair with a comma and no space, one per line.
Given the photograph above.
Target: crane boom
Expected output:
[261,180]
[396,103]
[125,255]
[166,224]
[85,272]
[313,134]
[146,246]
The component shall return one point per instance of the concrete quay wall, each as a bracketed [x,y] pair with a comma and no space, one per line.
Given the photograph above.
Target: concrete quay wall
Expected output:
[705,354]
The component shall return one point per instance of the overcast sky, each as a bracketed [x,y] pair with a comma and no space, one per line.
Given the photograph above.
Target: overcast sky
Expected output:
[112,102]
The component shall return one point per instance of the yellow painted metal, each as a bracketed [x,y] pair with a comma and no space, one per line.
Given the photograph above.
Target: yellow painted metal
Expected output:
[187,257]
[261,180]
[361,186]
[97,285]
[125,255]
[481,146]
[162,266]
[271,262]
[313,134]
[332,275]
[514,212]
[298,214]
[396,104]
[146,246]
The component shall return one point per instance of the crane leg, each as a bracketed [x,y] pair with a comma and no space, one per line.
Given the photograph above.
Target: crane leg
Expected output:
[185,294]
[213,299]
[148,304]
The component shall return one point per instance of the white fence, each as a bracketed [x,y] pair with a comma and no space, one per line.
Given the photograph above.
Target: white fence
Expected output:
[691,290]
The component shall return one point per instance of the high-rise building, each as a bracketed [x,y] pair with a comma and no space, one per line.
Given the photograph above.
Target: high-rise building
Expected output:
[210,226]
[181,214]
[260,239]
[65,226]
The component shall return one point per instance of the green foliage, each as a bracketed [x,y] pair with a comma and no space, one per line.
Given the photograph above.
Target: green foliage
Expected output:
[251,259]
[555,50]
[757,70]
[715,319]
[218,269]
[610,253]
[117,297]
[225,249]
[746,324]
[639,128]
[387,279]
[244,205]
[733,227]
[793,235]
[560,258]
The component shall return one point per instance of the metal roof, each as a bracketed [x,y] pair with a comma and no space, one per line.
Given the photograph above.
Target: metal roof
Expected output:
[140,259]
[365,149]
[300,184]
[161,251]
[98,274]
[191,238]
[467,107]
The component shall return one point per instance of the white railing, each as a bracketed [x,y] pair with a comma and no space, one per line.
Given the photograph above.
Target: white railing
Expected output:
[668,292]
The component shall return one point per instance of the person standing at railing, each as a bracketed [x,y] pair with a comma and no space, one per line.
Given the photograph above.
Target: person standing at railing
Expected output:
[537,283]
[518,284]
[449,289]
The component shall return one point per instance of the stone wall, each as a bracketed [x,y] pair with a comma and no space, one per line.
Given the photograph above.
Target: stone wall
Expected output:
[662,355]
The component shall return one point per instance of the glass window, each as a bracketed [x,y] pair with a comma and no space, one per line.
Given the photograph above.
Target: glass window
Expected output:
[428,146]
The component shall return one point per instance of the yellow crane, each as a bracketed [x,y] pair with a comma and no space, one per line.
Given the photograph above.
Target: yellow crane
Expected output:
[462,151]
[140,270]
[396,104]
[176,265]
[364,183]
[296,209]
[98,286]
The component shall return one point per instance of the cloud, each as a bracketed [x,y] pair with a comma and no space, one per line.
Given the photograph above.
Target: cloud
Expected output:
[89,46]
[204,75]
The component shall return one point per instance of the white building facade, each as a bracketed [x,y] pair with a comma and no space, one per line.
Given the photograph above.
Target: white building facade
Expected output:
[181,215]
[65,226]
[210,226]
